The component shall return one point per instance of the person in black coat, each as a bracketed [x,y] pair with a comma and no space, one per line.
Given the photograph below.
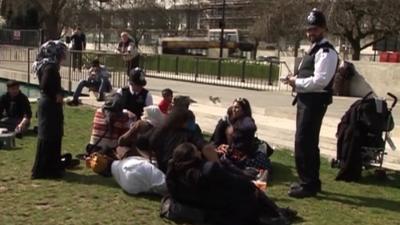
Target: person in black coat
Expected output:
[78,39]
[179,127]
[48,161]
[200,180]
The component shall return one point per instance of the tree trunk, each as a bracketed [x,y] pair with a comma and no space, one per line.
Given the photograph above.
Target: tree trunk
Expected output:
[254,52]
[356,47]
[296,48]
[52,31]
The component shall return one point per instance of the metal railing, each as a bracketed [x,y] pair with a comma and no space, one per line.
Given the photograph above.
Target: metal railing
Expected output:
[258,75]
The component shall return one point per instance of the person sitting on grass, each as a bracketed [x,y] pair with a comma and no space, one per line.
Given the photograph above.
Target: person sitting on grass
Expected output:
[135,97]
[243,149]
[198,179]
[15,109]
[98,81]
[166,102]
[152,118]
[179,127]
[109,124]
[222,134]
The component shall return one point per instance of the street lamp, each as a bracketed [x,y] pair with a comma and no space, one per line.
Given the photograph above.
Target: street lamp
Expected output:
[222,27]
[101,19]
[221,40]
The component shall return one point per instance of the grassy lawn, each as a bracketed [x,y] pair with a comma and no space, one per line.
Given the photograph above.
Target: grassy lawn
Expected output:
[83,197]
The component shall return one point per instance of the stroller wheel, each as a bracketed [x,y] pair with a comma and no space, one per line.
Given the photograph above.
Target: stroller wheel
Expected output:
[380,174]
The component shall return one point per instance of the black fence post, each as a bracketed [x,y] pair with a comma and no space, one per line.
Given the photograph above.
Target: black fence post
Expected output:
[143,60]
[243,70]
[196,69]
[70,73]
[158,63]
[29,66]
[270,74]
[177,65]
[219,69]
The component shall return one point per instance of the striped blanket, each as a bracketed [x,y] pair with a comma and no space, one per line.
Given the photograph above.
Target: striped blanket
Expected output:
[119,126]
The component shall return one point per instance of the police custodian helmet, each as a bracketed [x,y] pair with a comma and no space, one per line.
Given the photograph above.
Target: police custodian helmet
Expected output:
[316,19]
[137,76]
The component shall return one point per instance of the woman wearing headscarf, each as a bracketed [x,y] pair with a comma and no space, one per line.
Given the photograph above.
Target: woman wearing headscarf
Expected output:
[48,162]
[110,122]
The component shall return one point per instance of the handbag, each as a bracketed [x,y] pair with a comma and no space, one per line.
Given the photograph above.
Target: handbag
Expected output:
[99,163]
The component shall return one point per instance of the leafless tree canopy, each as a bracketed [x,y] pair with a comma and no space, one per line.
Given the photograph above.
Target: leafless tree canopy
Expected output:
[360,22]
[364,22]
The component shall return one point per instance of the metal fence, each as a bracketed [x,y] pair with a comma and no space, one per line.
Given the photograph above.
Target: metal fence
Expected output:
[239,73]
[27,38]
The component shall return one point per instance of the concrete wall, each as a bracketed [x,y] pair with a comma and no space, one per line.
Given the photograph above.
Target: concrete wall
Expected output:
[382,77]
[372,76]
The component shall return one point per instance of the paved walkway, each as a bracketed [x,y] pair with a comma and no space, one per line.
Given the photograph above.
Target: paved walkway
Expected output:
[274,115]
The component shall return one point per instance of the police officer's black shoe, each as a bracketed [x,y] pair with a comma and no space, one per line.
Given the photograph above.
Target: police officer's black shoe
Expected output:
[301,192]
[297,185]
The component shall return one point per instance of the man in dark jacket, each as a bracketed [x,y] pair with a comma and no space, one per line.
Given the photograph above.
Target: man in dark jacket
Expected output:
[78,39]
[313,84]
[15,109]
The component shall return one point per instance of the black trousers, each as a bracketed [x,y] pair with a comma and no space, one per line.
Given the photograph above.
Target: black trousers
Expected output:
[48,159]
[310,113]
[77,60]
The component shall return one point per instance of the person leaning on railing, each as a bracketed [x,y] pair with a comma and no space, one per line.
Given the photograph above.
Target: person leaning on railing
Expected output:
[129,51]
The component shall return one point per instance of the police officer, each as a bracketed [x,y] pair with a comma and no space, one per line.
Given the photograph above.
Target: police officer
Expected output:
[313,83]
[135,96]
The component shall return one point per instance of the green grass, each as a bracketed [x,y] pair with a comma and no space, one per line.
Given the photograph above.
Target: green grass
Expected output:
[83,197]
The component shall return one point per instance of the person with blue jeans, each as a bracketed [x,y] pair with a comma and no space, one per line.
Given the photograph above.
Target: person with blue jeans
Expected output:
[98,81]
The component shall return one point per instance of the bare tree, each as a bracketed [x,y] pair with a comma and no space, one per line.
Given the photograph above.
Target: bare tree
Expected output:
[51,11]
[363,23]
[281,20]
[140,16]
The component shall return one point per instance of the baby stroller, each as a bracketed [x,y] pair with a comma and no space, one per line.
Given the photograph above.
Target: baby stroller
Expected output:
[362,135]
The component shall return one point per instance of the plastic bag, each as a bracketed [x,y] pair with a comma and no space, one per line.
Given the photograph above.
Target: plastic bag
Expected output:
[137,175]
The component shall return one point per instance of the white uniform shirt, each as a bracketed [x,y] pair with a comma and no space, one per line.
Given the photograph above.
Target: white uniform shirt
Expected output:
[324,69]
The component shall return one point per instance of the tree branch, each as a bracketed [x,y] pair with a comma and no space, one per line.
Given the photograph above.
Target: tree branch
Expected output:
[372,43]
